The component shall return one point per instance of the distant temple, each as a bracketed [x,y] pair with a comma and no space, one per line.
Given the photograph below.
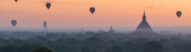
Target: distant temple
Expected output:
[111,30]
[45,25]
[144,29]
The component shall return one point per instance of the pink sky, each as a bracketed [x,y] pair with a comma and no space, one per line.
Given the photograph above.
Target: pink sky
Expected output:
[74,13]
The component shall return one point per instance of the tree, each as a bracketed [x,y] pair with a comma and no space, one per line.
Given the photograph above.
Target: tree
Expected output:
[153,46]
[72,41]
[66,49]
[42,49]
[107,50]
[52,36]
[116,48]
[85,49]
[94,42]
[181,47]
[132,47]
[94,50]
[27,47]
[9,48]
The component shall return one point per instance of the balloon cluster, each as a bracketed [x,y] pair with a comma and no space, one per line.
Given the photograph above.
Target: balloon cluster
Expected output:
[14,22]
[92,10]
[48,5]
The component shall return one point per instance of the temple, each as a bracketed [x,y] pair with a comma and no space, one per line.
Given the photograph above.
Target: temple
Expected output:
[111,30]
[144,29]
[44,25]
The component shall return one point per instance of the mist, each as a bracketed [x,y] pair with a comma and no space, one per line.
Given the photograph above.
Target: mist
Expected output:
[119,29]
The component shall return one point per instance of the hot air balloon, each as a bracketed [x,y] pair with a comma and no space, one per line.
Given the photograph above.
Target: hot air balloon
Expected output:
[16,0]
[178,13]
[92,10]
[48,5]
[13,22]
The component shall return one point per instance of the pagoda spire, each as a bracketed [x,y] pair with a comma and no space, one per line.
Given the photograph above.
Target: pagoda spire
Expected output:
[111,27]
[111,30]
[144,17]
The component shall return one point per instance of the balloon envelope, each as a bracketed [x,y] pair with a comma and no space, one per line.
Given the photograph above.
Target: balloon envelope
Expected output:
[48,5]
[13,22]
[16,0]
[92,10]
[178,13]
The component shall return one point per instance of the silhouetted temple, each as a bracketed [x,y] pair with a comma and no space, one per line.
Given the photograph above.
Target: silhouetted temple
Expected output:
[45,27]
[144,29]
[45,24]
[111,30]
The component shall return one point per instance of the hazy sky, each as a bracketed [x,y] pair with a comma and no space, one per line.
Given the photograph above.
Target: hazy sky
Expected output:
[74,13]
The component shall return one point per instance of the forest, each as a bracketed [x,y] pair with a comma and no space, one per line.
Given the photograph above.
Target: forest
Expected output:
[91,42]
